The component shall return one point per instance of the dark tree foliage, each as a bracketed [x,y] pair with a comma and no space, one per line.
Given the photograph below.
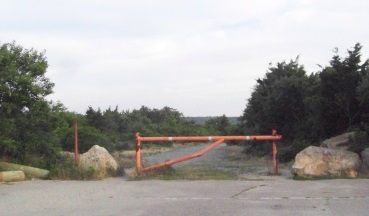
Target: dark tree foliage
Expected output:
[308,108]
[281,101]
[341,109]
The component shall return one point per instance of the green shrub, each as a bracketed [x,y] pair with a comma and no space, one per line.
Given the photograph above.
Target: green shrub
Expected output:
[288,151]
[69,170]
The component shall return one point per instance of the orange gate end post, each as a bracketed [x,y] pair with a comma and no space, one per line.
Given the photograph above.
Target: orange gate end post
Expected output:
[138,152]
[76,141]
[275,162]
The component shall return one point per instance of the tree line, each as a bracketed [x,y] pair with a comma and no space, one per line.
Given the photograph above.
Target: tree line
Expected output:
[304,108]
[309,107]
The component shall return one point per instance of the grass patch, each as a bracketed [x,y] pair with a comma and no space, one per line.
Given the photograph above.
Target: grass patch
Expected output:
[186,173]
[314,178]
[69,170]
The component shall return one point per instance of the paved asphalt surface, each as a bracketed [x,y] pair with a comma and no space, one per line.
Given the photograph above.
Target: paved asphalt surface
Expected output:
[116,196]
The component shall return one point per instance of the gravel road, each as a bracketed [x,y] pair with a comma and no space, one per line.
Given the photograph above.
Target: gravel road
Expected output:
[223,157]
[215,156]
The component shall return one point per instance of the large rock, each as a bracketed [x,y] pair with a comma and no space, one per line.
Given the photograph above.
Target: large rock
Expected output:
[322,162]
[365,157]
[99,159]
[338,142]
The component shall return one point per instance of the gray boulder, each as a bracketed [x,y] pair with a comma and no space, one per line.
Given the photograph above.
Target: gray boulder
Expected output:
[99,159]
[322,162]
[338,142]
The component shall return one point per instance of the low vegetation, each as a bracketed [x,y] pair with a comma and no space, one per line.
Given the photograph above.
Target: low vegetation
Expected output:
[69,170]
[187,173]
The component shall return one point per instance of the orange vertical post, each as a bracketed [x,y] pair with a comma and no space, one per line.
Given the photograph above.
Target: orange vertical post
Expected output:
[76,140]
[138,152]
[275,162]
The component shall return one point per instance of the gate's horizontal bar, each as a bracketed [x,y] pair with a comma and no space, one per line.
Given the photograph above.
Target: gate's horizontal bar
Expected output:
[207,138]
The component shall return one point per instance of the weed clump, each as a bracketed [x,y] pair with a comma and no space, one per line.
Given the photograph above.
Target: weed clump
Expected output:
[66,169]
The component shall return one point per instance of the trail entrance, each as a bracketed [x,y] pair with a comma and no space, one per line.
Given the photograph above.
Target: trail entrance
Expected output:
[217,141]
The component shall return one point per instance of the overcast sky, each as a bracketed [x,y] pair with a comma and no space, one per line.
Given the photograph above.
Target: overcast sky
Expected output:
[200,57]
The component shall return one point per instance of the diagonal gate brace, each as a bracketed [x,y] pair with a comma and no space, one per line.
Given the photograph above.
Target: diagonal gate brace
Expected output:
[184,158]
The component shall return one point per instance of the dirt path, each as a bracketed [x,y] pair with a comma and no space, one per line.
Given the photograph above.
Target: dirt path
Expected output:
[223,157]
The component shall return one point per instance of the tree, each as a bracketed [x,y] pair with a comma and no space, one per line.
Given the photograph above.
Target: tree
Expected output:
[22,81]
[306,109]
[285,100]
[339,85]
[363,98]
[279,101]
[23,108]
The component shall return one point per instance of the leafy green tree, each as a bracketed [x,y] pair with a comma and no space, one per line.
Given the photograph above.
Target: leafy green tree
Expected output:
[23,108]
[23,80]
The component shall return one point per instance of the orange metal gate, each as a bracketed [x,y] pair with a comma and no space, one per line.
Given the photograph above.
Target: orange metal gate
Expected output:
[218,140]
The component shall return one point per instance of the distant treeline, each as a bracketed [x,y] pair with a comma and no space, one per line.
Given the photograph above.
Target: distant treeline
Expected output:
[201,120]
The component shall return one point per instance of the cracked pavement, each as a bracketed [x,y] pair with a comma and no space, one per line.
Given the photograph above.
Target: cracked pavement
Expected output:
[115,196]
